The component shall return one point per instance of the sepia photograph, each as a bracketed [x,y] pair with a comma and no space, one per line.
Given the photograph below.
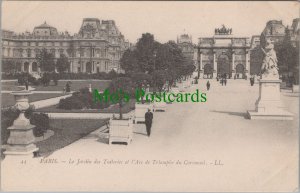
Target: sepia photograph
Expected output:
[150,96]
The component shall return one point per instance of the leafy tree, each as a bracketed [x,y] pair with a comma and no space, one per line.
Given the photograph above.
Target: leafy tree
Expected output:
[46,61]
[146,51]
[150,56]
[8,66]
[288,58]
[62,63]
[129,61]
[140,79]
[122,86]
[160,78]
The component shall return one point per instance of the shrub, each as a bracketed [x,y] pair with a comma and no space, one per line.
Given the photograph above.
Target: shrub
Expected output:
[45,80]
[41,121]
[71,103]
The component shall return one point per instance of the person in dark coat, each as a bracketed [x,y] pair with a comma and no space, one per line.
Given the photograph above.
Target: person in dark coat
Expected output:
[208,85]
[68,87]
[225,81]
[252,81]
[26,84]
[148,121]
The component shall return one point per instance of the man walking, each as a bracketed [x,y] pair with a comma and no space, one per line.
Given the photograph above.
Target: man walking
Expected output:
[148,121]
[208,85]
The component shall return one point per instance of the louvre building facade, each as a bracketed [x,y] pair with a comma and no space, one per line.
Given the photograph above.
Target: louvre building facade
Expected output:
[97,47]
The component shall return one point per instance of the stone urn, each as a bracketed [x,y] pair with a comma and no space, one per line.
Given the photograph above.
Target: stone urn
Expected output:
[21,138]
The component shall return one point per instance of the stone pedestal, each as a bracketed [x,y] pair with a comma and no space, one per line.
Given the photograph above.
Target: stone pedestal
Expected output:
[21,138]
[269,104]
[215,74]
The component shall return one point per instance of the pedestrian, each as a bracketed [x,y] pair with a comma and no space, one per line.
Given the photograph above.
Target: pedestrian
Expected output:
[208,85]
[225,81]
[252,80]
[148,121]
[26,83]
[68,87]
[222,81]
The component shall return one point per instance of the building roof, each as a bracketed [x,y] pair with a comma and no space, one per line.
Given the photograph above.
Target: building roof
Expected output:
[44,25]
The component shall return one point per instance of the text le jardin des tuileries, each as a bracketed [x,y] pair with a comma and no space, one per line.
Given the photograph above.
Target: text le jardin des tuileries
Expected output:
[111,162]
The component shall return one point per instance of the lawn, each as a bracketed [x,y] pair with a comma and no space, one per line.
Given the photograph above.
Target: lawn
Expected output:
[75,85]
[10,86]
[112,109]
[8,99]
[67,131]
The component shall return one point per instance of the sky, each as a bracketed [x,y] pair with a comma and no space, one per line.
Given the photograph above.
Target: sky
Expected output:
[166,20]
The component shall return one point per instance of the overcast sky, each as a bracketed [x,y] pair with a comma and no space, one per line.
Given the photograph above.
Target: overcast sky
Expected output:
[165,20]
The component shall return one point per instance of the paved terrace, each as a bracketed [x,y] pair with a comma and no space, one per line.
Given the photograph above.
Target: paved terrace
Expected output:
[257,155]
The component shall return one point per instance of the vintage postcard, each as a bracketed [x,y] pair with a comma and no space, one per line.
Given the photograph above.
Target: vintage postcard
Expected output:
[150,96]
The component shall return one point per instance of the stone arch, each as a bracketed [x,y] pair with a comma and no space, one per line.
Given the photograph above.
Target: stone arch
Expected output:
[89,67]
[240,71]
[26,66]
[208,71]
[240,68]
[223,65]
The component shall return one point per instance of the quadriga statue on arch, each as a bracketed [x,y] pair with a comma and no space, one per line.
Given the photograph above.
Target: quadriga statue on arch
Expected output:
[269,68]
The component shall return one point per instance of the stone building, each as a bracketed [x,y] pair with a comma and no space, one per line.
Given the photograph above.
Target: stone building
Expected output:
[97,47]
[276,32]
[224,55]
[294,32]
[185,43]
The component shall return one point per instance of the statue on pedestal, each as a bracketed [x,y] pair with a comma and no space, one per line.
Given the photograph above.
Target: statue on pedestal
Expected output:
[269,69]
[269,104]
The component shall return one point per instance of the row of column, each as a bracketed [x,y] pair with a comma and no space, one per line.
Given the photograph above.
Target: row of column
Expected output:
[247,62]
[83,66]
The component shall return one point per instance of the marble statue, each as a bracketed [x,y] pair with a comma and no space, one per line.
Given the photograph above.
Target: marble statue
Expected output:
[269,69]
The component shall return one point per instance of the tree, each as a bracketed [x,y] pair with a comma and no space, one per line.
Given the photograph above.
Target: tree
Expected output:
[288,58]
[146,50]
[123,87]
[8,66]
[150,56]
[160,77]
[62,63]
[129,61]
[46,61]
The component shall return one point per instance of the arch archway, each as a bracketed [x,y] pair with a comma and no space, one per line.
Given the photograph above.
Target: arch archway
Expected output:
[34,67]
[240,69]
[223,68]
[26,66]
[207,71]
[88,67]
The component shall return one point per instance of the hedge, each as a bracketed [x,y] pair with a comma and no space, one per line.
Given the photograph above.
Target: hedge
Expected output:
[40,120]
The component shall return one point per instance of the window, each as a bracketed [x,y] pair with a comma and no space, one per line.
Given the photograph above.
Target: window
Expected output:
[28,53]
[52,51]
[93,52]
